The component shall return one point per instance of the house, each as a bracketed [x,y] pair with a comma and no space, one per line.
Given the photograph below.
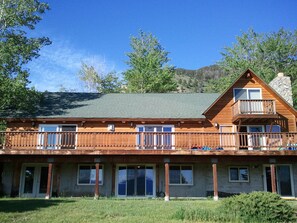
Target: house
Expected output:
[150,145]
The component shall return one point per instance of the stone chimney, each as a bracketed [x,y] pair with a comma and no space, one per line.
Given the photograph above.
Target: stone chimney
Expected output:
[282,85]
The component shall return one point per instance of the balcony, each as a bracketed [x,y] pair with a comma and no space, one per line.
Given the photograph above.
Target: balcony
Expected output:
[113,142]
[253,109]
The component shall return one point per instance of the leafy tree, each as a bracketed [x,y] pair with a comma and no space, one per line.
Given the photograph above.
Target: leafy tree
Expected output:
[17,49]
[266,54]
[148,69]
[99,82]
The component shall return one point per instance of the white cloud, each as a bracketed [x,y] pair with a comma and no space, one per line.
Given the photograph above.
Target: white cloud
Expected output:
[59,64]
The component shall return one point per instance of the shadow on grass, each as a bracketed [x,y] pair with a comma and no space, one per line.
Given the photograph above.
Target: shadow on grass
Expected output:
[24,205]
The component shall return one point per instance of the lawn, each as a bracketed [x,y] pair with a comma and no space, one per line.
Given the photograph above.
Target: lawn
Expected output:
[103,210]
[90,210]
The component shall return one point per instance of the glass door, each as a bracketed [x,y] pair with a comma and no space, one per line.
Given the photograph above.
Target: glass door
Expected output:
[68,139]
[49,138]
[155,137]
[34,181]
[28,181]
[284,184]
[256,140]
[42,181]
[135,180]
[255,106]
[149,142]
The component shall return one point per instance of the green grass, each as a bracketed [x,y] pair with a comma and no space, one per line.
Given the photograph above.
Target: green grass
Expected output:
[103,210]
[89,210]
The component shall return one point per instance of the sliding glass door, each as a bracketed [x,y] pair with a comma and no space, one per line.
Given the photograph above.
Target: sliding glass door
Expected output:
[135,180]
[284,181]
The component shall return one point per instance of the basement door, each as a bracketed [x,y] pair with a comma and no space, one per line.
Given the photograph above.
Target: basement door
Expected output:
[135,181]
[33,181]
[284,180]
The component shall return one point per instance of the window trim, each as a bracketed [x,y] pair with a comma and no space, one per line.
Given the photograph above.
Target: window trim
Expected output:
[90,165]
[59,129]
[181,184]
[260,89]
[239,181]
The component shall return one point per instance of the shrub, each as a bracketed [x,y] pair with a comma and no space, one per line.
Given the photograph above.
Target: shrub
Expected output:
[258,207]
[254,207]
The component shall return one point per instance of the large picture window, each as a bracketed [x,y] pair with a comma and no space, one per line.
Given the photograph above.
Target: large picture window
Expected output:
[181,174]
[87,175]
[238,174]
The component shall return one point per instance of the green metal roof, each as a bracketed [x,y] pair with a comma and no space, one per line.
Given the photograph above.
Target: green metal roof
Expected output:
[94,105]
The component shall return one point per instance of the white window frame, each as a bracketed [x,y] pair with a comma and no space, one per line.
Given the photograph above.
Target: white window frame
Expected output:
[58,129]
[163,126]
[180,181]
[239,181]
[248,89]
[101,167]
[249,109]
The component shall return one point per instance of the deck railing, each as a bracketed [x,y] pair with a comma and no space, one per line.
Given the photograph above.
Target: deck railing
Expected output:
[147,140]
[254,107]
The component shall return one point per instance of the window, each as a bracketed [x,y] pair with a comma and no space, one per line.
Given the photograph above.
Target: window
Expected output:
[87,175]
[57,137]
[247,93]
[155,137]
[238,174]
[273,128]
[250,100]
[181,174]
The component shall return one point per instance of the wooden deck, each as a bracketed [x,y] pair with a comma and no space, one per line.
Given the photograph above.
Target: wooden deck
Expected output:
[143,142]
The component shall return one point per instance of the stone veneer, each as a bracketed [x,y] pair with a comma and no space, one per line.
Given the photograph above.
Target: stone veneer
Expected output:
[282,85]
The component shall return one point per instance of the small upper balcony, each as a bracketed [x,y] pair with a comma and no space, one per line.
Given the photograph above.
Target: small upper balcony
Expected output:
[253,109]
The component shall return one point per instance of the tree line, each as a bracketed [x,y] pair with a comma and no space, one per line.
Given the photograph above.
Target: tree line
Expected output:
[148,64]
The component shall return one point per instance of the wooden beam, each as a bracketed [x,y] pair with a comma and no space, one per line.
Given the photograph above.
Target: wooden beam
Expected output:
[97,165]
[49,181]
[154,152]
[215,182]
[167,194]
[273,178]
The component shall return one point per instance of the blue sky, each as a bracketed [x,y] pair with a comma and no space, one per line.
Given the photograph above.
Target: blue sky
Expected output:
[98,32]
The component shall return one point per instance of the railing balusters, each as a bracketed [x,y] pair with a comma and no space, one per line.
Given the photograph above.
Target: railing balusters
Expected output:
[254,106]
[148,140]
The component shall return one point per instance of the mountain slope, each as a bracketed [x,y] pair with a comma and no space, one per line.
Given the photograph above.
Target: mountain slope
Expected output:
[195,80]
